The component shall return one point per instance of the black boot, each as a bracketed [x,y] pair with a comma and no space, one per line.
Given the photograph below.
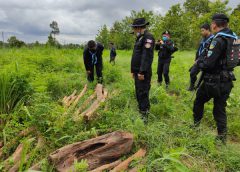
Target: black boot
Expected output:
[144,116]
[100,80]
[195,125]
[221,138]
[191,87]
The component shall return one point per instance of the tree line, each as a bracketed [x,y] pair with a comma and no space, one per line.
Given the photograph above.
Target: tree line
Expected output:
[183,22]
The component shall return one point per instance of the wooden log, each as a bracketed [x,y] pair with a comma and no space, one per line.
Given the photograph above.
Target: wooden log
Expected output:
[97,151]
[85,104]
[69,97]
[15,167]
[71,101]
[36,167]
[99,91]
[79,96]
[16,156]
[107,166]
[64,99]
[90,111]
[124,165]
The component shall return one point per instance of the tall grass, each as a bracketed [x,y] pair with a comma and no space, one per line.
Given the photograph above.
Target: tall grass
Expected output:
[10,96]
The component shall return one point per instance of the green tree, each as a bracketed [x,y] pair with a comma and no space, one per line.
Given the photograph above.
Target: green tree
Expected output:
[103,36]
[197,8]
[178,25]
[55,29]
[14,42]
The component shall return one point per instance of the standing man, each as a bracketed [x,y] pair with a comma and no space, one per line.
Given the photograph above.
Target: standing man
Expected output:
[166,49]
[202,50]
[218,76]
[141,64]
[113,53]
[92,56]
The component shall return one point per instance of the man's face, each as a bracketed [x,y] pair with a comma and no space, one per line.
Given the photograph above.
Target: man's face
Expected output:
[204,32]
[136,30]
[93,49]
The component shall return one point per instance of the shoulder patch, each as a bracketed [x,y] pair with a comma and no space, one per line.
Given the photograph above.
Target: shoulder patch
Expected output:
[209,53]
[149,41]
[148,45]
[213,44]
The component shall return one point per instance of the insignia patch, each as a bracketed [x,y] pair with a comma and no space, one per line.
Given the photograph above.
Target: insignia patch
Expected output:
[213,44]
[149,41]
[148,45]
[209,53]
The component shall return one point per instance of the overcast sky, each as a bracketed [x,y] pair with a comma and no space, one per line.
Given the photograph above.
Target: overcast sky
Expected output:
[78,20]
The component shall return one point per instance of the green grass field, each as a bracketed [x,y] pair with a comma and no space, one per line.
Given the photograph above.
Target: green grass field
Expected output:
[48,74]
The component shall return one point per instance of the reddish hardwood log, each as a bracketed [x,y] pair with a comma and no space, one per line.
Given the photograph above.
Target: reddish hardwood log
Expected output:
[16,156]
[107,166]
[97,151]
[124,165]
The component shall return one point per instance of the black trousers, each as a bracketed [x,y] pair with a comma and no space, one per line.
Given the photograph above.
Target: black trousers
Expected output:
[193,74]
[220,93]
[142,89]
[90,76]
[163,69]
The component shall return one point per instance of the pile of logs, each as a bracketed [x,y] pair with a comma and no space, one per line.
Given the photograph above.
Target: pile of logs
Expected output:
[101,153]
[89,106]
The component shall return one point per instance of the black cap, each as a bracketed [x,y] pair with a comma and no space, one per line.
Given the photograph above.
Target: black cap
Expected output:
[220,17]
[139,22]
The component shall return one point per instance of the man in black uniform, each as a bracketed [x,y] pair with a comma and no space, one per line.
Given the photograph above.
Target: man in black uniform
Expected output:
[113,53]
[166,49]
[92,56]
[202,50]
[141,64]
[217,81]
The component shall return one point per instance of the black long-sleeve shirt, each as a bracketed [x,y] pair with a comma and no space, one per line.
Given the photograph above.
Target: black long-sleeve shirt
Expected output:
[165,51]
[93,58]
[212,63]
[143,53]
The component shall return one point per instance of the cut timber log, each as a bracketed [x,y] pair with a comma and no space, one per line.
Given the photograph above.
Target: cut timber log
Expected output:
[96,104]
[65,102]
[79,96]
[15,158]
[124,165]
[98,151]
[107,166]
[84,105]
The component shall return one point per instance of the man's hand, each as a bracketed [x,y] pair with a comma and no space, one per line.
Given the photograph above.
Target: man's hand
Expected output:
[140,77]
[88,71]
[132,75]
